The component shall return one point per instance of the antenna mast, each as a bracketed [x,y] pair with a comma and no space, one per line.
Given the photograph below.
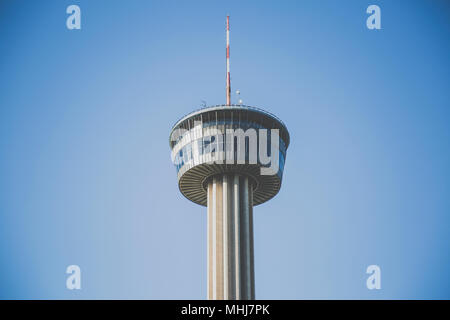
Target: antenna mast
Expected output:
[228,63]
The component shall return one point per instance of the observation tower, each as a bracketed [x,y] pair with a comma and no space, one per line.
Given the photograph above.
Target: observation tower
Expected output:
[229,158]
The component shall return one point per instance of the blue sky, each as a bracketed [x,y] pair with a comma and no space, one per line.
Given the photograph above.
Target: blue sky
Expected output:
[85,170]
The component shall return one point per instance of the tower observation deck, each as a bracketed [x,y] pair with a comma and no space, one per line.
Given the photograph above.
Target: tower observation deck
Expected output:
[229,158]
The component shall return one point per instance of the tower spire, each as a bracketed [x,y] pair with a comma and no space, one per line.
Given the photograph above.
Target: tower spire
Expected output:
[228,63]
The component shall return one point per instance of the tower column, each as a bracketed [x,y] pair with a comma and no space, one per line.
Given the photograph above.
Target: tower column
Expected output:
[230,238]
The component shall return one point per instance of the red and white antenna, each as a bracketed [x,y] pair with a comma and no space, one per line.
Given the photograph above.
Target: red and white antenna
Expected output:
[228,63]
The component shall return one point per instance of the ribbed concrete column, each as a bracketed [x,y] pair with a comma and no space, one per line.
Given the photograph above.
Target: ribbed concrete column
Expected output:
[230,238]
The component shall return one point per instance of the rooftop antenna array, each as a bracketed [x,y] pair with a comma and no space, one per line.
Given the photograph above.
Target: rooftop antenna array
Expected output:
[238,93]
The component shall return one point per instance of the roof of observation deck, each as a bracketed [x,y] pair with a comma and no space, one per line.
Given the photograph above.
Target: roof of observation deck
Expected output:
[256,114]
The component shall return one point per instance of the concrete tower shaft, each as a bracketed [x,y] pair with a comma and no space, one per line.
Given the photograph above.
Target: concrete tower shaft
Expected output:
[230,238]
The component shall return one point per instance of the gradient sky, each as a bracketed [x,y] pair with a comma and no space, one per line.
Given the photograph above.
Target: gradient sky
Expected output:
[85,170]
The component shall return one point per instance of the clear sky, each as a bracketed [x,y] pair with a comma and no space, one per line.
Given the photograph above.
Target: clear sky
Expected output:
[85,170]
